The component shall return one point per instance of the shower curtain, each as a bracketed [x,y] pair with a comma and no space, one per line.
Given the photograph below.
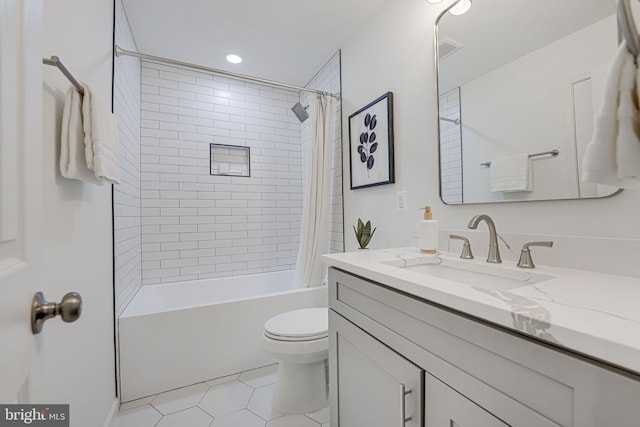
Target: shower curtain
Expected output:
[314,232]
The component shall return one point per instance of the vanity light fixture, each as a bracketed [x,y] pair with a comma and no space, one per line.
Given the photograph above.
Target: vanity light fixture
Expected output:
[234,59]
[461,7]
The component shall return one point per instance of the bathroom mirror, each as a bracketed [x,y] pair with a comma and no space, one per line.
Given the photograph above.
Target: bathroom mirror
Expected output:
[517,77]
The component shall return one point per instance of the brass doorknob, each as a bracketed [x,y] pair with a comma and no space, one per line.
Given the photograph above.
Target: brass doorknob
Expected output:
[69,309]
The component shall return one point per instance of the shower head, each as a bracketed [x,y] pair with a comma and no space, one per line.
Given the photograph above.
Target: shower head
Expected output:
[300,112]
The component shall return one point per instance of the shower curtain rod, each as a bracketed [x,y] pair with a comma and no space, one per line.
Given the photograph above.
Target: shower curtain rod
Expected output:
[120,51]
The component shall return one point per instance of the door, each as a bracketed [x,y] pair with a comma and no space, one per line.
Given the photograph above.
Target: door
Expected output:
[20,188]
[373,385]
[445,407]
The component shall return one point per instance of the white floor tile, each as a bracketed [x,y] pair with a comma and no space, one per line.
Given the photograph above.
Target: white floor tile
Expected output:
[182,398]
[293,421]
[242,418]
[226,398]
[192,417]
[240,400]
[260,403]
[142,416]
[260,377]
[222,380]
[321,416]
[136,403]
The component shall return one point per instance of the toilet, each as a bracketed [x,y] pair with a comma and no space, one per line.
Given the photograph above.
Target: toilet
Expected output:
[299,339]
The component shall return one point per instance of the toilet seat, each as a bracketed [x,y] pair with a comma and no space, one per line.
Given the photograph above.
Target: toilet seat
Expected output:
[308,324]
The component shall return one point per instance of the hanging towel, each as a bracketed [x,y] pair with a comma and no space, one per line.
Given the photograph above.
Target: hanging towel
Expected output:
[102,149]
[511,173]
[72,153]
[612,157]
[628,141]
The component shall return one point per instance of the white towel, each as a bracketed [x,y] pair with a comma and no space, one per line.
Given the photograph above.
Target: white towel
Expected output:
[613,154]
[511,173]
[72,156]
[102,149]
[628,141]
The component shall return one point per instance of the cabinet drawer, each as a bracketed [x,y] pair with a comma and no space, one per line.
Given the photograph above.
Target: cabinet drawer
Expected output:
[558,387]
[445,407]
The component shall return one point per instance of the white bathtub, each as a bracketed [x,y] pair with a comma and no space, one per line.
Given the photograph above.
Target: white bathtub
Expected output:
[176,334]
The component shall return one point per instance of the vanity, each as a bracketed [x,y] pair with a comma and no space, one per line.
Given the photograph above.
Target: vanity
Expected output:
[424,341]
[455,342]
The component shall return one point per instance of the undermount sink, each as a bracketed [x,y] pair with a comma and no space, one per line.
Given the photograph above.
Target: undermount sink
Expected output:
[493,277]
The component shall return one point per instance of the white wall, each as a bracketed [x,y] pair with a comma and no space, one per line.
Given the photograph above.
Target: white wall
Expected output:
[126,196]
[197,225]
[77,238]
[396,52]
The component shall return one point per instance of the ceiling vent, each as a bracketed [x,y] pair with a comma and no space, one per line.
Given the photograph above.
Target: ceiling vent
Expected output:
[447,46]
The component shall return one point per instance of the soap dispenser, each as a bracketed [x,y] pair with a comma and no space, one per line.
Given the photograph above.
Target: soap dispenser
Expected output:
[428,233]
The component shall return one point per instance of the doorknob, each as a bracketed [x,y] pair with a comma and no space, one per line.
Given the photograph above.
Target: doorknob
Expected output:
[69,309]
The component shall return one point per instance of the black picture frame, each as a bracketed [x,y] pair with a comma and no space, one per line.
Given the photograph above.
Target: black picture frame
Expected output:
[371,161]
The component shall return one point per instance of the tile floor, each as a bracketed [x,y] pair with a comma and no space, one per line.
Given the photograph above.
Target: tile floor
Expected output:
[240,400]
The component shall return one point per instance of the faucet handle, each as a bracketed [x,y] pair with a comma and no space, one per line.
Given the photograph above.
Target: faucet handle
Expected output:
[525,256]
[466,248]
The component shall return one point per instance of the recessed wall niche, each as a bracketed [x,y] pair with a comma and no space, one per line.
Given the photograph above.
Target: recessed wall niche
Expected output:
[230,160]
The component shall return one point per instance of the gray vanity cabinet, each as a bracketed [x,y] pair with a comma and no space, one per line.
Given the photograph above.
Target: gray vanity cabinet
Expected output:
[461,371]
[381,387]
[445,407]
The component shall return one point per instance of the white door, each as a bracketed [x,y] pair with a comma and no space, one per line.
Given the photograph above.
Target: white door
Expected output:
[21,263]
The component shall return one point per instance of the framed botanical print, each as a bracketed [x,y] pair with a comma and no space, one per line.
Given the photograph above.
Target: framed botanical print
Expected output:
[371,144]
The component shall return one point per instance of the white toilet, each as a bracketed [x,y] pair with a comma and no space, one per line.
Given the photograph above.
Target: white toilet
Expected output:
[299,339]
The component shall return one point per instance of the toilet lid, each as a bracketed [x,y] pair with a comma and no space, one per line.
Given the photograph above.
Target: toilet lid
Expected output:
[299,325]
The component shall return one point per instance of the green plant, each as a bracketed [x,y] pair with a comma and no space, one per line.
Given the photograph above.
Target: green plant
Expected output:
[363,233]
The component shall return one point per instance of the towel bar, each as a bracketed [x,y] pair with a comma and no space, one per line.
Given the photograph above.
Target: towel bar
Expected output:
[551,153]
[628,27]
[54,61]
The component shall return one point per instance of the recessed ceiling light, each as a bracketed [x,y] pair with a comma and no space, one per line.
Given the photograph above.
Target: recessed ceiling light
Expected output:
[433,1]
[234,59]
[461,7]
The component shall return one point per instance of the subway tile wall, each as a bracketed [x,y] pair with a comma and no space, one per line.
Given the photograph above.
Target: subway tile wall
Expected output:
[328,80]
[195,225]
[126,196]
[451,148]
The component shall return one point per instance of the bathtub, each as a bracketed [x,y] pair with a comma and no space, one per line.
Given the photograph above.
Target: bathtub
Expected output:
[177,334]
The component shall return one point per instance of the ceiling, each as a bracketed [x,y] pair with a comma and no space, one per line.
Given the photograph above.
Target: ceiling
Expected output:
[282,40]
[495,32]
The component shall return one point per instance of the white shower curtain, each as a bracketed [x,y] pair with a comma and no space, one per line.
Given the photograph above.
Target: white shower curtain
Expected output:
[314,232]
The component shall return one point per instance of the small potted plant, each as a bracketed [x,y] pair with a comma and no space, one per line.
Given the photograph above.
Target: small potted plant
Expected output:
[363,233]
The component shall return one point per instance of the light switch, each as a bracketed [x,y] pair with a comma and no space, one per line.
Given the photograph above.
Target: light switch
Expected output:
[401,201]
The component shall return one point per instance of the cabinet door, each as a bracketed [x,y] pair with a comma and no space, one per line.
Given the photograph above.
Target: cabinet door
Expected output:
[373,386]
[445,407]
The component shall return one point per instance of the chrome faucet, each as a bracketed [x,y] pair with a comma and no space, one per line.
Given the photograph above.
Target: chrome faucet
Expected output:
[494,251]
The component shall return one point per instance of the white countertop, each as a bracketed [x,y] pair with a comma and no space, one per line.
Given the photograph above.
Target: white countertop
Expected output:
[595,314]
